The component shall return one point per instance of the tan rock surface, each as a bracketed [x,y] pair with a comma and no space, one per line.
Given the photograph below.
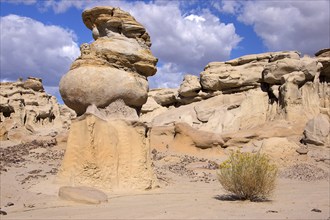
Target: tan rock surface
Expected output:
[323,56]
[190,86]
[111,155]
[185,134]
[109,21]
[279,149]
[317,131]
[119,57]
[227,78]
[164,97]
[94,82]
[24,105]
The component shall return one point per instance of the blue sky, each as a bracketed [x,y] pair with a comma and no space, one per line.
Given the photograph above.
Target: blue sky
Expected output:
[41,38]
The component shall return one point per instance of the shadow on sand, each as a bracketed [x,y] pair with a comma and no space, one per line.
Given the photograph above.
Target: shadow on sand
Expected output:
[231,197]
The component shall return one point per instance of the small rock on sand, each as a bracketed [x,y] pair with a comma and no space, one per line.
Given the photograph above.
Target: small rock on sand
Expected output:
[82,194]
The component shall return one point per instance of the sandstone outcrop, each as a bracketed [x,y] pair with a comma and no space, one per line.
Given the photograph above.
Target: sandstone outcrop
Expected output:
[254,98]
[120,57]
[108,147]
[240,74]
[26,104]
[190,86]
[112,155]
[199,139]
[323,56]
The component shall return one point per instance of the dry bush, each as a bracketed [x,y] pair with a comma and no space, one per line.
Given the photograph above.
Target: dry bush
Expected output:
[248,176]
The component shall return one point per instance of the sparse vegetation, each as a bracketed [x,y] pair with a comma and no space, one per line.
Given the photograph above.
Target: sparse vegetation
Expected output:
[248,176]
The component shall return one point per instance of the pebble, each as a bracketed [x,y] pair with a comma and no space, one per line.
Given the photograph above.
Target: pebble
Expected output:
[302,150]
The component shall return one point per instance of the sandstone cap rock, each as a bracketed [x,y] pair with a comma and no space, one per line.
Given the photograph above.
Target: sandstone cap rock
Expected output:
[115,66]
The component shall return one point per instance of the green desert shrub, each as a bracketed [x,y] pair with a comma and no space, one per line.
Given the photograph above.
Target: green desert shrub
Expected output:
[248,176]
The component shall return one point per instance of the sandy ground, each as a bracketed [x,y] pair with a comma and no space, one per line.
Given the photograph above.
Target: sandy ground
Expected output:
[188,190]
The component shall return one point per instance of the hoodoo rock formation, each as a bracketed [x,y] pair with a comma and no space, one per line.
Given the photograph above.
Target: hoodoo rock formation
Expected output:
[107,85]
[115,66]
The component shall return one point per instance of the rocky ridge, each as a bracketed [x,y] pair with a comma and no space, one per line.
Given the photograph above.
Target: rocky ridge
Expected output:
[248,101]
[25,109]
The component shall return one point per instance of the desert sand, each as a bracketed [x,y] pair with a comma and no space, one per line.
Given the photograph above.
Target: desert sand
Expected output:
[188,189]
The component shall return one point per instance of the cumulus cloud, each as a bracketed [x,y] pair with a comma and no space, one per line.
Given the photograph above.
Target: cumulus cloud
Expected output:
[189,41]
[286,25]
[183,42]
[31,48]
[168,75]
[61,6]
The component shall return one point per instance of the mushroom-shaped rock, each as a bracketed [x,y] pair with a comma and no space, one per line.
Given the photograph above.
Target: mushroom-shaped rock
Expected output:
[114,67]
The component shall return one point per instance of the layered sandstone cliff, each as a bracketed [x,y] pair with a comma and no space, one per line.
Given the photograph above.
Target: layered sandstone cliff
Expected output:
[247,101]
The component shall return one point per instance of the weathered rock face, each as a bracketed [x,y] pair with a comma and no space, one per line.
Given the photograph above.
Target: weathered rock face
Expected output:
[190,86]
[115,66]
[197,138]
[253,98]
[25,104]
[108,147]
[108,21]
[112,155]
[240,74]
[323,56]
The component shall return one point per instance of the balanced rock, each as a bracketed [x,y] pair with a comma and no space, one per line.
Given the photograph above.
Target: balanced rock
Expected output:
[107,146]
[115,66]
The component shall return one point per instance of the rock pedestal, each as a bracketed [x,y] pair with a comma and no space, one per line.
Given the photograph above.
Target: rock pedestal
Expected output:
[110,155]
[107,85]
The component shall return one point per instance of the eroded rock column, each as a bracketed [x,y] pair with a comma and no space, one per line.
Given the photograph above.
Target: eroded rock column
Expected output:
[107,85]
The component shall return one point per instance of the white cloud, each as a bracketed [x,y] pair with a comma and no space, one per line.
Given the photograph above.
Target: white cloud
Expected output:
[31,48]
[189,42]
[195,18]
[168,76]
[286,25]
[61,6]
[227,6]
